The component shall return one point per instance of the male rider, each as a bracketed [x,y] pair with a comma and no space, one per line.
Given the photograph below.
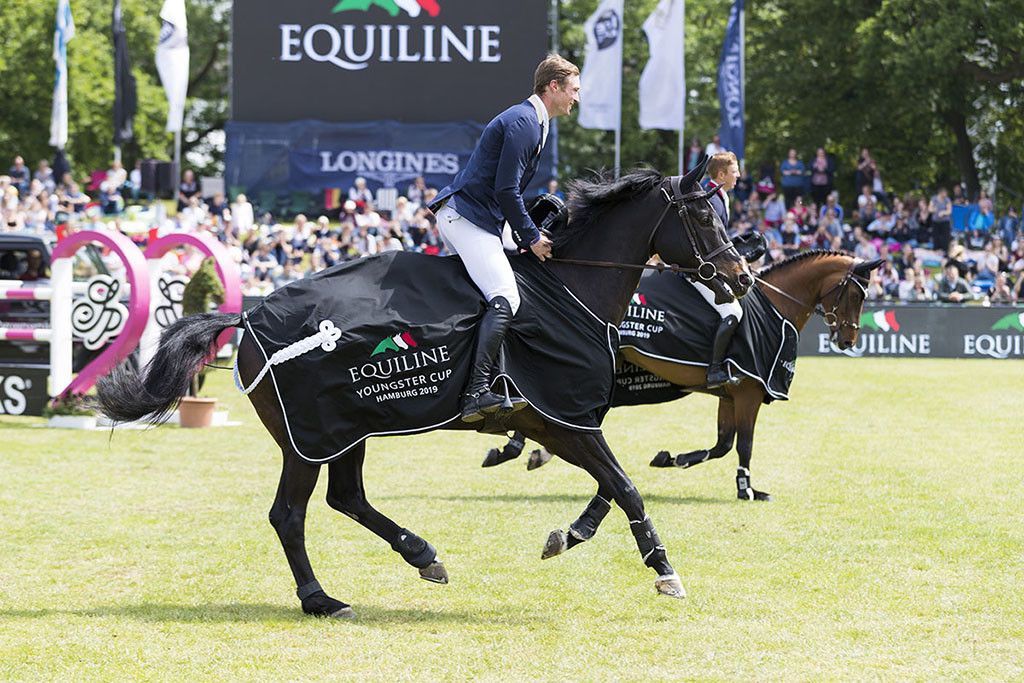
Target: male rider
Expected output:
[481,213]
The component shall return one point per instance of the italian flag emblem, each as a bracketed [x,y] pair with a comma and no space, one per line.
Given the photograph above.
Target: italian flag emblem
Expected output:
[638,299]
[882,321]
[392,7]
[399,342]
[1012,321]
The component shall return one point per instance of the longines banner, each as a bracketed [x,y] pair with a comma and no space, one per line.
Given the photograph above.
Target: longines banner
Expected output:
[927,331]
[402,60]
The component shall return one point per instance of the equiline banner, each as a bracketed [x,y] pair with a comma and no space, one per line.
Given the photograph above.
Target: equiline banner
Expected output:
[927,331]
[383,345]
[669,320]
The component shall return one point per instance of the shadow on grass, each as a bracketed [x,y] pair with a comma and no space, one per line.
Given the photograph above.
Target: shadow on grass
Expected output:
[264,613]
[557,498]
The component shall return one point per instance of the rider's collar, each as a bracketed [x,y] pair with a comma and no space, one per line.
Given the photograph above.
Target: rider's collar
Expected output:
[542,114]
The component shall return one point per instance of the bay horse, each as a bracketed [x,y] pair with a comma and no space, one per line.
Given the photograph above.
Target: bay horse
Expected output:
[618,224]
[832,284]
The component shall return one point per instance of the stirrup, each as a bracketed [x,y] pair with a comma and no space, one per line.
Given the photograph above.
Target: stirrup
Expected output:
[510,404]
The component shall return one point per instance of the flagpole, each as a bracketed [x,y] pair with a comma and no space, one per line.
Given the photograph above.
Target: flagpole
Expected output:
[682,124]
[177,159]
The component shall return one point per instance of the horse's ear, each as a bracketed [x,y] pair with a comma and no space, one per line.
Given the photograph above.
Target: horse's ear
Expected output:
[865,267]
[696,173]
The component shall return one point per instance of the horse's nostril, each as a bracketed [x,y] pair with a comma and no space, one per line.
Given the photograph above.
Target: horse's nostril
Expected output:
[745,280]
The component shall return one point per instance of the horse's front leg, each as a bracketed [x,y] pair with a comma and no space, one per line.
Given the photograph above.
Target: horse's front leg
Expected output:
[747,406]
[591,452]
[726,434]
[583,529]
[512,450]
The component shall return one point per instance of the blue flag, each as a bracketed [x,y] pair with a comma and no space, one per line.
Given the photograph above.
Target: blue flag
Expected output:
[730,83]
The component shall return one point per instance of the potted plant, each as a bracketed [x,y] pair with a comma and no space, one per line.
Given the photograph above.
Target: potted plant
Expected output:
[70,411]
[203,293]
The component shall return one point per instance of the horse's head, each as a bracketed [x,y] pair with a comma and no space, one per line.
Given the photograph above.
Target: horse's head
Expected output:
[842,299]
[697,238]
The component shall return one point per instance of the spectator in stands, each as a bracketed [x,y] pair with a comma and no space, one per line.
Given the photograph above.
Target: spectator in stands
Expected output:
[875,288]
[134,186]
[881,226]
[790,232]
[19,174]
[1001,251]
[867,205]
[901,231]
[416,191]
[766,179]
[982,218]
[1001,292]
[367,217]
[822,175]
[744,186]
[890,279]
[117,175]
[920,222]
[866,169]
[832,204]
[111,202]
[792,170]
[360,193]
[865,249]
[693,154]
[554,189]
[217,205]
[323,226]
[952,288]
[187,189]
[242,214]
[74,199]
[1008,225]
[774,210]
[914,287]
[348,213]
[830,223]
[941,210]
[987,263]
[905,261]
[363,242]
[801,213]
[715,146]
[959,197]
[287,274]
[44,174]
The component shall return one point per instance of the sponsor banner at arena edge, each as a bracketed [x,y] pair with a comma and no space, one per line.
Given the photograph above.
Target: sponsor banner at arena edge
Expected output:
[23,390]
[928,331]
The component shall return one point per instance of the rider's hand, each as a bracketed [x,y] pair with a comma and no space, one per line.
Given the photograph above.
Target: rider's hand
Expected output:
[541,248]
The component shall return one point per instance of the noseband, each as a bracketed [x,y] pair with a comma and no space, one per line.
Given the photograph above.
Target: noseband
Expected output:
[674,197]
[831,318]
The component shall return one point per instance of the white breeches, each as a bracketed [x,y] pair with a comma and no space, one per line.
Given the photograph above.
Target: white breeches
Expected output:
[723,310]
[483,254]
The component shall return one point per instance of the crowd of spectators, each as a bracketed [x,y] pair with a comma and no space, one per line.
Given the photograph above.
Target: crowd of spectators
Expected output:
[794,205]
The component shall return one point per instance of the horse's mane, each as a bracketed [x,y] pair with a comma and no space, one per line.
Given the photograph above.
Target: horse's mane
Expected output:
[802,256]
[589,200]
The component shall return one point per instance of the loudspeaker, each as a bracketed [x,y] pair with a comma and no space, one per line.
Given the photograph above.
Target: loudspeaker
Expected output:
[148,170]
[166,183]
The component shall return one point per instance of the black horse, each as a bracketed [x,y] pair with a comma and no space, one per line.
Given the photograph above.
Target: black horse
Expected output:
[830,283]
[626,221]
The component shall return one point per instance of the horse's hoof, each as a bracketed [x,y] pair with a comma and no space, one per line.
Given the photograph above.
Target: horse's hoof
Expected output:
[434,572]
[492,458]
[762,495]
[538,458]
[557,544]
[324,606]
[670,585]
[663,459]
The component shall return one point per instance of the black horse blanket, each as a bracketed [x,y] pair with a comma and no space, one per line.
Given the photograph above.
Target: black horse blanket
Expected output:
[668,319]
[383,345]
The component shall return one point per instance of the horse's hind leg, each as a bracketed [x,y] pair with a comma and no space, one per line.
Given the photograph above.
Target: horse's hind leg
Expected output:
[511,450]
[288,517]
[726,434]
[583,529]
[345,493]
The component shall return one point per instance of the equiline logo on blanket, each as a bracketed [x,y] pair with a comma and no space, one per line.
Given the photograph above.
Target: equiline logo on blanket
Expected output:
[399,342]
[400,368]
[642,320]
[1005,340]
[392,7]
[881,335]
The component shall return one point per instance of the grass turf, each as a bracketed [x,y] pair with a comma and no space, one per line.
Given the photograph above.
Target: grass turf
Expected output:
[892,548]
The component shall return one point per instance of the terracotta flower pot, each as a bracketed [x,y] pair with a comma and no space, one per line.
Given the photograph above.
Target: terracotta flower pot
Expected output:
[196,412]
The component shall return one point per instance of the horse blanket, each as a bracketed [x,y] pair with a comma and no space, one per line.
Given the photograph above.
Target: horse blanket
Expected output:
[669,320]
[383,345]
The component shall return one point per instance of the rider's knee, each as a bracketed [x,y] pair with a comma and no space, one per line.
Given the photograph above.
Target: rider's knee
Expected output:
[511,295]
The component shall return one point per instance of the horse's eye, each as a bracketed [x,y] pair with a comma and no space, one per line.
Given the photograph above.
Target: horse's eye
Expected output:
[706,219]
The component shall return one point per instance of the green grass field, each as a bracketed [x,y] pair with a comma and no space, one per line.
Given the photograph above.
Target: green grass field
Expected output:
[892,550]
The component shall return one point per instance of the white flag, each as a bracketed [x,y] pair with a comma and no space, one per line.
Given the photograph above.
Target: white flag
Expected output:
[601,78]
[172,60]
[64,31]
[663,83]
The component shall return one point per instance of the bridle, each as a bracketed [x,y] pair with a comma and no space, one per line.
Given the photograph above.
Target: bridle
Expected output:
[831,318]
[670,190]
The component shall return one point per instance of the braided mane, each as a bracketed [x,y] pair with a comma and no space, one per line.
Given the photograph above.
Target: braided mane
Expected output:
[802,256]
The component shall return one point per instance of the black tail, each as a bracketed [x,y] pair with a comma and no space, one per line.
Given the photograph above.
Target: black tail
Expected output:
[126,394]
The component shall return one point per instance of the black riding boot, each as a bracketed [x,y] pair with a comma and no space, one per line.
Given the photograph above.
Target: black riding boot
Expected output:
[718,372]
[479,399]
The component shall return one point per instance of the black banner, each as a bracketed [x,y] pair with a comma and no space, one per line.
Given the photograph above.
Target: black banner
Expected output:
[413,61]
[23,389]
[927,331]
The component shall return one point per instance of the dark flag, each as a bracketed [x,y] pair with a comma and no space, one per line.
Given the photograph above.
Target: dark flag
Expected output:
[730,83]
[124,82]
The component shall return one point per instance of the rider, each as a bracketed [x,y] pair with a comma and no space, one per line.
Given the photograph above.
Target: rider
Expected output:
[482,213]
[724,171]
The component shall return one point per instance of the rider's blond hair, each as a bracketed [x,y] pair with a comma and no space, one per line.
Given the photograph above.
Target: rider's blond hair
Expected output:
[553,68]
[720,163]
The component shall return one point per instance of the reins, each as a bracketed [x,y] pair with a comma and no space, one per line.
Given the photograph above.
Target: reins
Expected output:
[706,271]
[830,317]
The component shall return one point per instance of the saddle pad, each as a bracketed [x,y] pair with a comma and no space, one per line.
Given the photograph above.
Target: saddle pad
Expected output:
[668,319]
[383,345]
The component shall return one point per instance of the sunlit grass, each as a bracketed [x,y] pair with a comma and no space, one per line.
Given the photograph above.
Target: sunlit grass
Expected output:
[893,548]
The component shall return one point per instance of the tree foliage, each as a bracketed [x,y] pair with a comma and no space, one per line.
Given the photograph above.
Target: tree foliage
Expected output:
[26,61]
